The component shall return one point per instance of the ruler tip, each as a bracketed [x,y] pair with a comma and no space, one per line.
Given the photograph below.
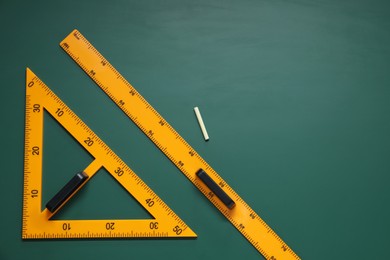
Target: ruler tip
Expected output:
[74,32]
[189,233]
[29,74]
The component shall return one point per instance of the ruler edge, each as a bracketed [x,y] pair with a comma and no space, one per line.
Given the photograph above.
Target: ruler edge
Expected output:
[270,230]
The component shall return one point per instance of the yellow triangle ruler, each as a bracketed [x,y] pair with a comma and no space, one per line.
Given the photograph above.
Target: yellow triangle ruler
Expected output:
[37,223]
[193,166]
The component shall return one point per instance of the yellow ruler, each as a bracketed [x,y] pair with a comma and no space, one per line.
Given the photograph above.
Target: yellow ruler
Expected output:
[193,166]
[37,223]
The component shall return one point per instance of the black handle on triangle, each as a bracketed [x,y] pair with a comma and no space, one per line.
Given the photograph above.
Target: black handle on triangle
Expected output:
[66,191]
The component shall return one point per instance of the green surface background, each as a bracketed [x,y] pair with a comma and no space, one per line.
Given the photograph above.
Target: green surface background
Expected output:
[295,96]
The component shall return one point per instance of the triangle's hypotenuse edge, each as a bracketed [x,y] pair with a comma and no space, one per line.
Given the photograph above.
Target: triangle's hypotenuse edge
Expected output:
[37,223]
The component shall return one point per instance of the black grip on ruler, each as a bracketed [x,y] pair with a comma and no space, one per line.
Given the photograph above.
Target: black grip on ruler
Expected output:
[66,191]
[214,187]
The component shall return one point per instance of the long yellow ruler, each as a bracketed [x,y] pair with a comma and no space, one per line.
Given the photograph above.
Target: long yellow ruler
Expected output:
[163,135]
[37,223]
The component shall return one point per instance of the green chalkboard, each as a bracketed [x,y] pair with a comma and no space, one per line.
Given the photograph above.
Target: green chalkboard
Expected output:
[295,96]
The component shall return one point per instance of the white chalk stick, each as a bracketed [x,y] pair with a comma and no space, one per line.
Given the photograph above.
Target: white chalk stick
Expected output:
[201,124]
